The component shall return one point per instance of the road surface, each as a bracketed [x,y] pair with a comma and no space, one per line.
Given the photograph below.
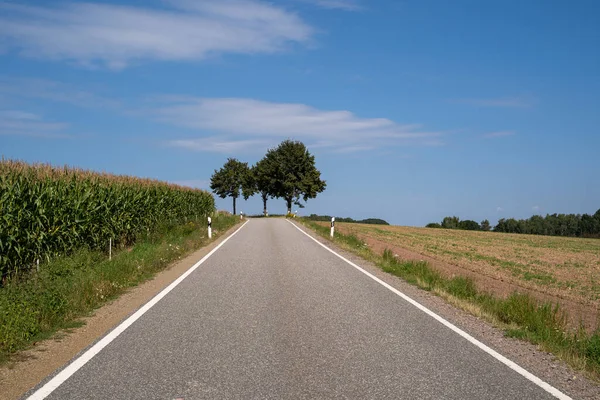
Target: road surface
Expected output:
[273,315]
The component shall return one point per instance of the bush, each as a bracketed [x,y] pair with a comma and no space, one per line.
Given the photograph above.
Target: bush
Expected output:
[469,225]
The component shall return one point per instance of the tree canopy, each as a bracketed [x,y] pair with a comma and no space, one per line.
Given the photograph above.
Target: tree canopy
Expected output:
[372,221]
[585,225]
[485,225]
[231,180]
[294,175]
[263,179]
[553,224]
[450,223]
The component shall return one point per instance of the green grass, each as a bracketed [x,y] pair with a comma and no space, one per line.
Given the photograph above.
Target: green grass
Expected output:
[519,315]
[66,289]
[263,216]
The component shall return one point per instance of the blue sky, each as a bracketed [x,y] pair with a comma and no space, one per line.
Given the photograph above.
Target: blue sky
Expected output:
[414,109]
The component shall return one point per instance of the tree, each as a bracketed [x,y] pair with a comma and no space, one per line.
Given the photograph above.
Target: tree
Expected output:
[433,225]
[500,226]
[373,221]
[263,175]
[552,224]
[248,184]
[469,225]
[232,179]
[295,176]
[589,225]
[485,225]
[513,226]
[536,225]
[450,222]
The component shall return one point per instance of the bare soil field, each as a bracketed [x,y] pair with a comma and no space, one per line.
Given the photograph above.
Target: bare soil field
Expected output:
[557,269]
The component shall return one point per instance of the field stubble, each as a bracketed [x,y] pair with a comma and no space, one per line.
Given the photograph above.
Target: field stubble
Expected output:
[556,269]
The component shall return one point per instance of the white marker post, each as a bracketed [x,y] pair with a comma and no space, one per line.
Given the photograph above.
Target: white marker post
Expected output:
[109,249]
[241,215]
[332,226]
[209,228]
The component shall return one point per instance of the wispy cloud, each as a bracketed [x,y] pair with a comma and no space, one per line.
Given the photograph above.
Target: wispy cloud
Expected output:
[99,34]
[523,101]
[21,123]
[216,144]
[354,149]
[34,88]
[239,124]
[498,134]
[347,5]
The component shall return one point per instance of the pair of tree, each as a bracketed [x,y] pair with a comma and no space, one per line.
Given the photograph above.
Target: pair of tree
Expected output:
[287,171]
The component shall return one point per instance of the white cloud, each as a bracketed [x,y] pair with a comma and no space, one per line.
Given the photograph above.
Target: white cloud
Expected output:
[34,88]
[243,124]
[499,209]
[523,101]
[347,5]
[354,149]
[535,208]
[98,34]
[215,144]
[21,123]
[17,115]
[498,134]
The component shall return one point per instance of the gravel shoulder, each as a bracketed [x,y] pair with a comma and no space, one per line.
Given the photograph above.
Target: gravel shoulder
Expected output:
[30,367]
[542,364]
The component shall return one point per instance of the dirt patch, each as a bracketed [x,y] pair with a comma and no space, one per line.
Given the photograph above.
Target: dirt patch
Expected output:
[579,310]
[30,367]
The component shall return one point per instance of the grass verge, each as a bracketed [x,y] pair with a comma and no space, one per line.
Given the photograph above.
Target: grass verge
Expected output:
[269,216]
[35,307]
[519,315]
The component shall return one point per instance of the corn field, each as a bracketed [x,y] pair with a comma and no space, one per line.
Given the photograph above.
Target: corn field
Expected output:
[47,211]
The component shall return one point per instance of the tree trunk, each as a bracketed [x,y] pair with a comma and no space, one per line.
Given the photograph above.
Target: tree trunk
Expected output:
[234,206]
[264,198]
[289,205]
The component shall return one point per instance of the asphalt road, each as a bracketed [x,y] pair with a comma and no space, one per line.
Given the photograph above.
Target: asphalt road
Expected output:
[272,315]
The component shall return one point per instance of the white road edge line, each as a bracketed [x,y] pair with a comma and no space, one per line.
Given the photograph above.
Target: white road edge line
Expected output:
[510,364]
[66,373]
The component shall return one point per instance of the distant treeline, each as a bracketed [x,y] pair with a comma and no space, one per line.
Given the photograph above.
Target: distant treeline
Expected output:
[374,221]
[575,225]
